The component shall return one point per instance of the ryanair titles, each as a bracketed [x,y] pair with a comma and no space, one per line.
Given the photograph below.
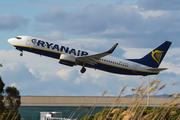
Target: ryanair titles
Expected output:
[56,47]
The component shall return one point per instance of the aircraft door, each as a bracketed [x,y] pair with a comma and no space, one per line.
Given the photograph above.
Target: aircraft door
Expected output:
[28,42]
[135,67]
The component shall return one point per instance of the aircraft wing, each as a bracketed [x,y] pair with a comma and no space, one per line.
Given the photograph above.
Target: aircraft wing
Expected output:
[91,59]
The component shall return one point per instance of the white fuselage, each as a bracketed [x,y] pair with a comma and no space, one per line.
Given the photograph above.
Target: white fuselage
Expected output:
[55,50]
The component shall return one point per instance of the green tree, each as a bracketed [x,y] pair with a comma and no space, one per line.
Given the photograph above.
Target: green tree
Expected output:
[1,96]
[13,100]
[10,97]
[13,97]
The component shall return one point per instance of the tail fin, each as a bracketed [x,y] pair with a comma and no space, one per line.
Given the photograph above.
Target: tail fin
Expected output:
[154,58]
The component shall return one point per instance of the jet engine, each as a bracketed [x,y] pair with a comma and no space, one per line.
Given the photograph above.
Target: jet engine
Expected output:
[68,60]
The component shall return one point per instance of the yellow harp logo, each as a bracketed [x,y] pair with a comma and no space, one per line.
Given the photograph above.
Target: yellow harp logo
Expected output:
[156,55]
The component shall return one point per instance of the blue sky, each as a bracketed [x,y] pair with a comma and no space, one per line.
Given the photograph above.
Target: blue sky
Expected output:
[137,25]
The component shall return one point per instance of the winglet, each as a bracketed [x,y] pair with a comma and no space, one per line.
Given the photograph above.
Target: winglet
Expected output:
[112,49]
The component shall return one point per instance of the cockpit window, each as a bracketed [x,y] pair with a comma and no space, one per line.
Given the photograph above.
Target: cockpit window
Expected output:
[18,37]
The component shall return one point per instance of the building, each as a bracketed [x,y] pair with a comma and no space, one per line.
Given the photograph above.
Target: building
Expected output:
[78,106]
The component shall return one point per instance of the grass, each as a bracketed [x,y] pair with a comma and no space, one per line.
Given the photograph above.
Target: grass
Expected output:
[137,111]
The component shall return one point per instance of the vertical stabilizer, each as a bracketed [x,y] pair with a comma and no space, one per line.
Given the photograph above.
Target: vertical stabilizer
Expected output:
[155,57]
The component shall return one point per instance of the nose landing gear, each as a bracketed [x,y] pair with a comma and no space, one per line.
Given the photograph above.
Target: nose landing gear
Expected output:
[21,54]
[83,70]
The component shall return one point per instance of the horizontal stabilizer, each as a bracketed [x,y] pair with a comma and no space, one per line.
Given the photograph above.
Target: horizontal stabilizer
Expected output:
[156,69]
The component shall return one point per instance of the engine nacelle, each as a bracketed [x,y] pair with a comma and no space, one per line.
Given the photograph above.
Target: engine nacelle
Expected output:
[67,60]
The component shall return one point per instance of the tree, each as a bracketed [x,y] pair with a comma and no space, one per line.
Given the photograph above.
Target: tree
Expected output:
[1,96]
[12,99]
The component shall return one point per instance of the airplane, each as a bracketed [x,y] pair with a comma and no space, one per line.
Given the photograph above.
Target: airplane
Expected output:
[71,56]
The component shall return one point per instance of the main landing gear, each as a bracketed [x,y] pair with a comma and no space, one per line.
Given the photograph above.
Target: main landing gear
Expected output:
[83,69]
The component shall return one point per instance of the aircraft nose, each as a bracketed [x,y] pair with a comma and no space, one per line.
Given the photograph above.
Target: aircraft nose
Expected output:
[10,40]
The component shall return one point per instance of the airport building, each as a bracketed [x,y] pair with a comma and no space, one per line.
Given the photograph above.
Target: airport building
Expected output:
[76,107]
